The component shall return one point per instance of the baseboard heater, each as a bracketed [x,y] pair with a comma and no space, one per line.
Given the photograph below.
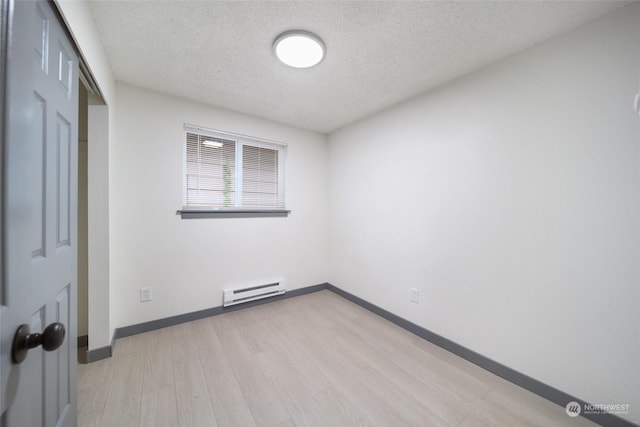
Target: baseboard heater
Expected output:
[252,293]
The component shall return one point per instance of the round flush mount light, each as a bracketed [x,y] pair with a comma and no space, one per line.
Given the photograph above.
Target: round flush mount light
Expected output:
[299,49]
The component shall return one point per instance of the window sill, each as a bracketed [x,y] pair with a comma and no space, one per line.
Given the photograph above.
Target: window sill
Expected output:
[232,213]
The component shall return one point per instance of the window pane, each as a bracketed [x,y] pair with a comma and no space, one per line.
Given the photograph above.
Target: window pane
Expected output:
[212,178]
[210,171]
[260,186]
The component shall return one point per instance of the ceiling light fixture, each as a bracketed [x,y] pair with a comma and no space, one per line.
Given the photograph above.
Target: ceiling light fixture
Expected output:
[299,49]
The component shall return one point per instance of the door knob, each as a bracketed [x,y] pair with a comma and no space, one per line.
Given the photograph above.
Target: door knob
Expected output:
[51,338]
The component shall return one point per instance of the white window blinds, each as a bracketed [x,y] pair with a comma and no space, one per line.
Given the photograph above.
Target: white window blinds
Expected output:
[260,177]
[223,171]
[210,171]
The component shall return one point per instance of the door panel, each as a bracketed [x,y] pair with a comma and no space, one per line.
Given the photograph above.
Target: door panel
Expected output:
[35,187]
[40,213]
[62,358]
[64,184]
[41,48]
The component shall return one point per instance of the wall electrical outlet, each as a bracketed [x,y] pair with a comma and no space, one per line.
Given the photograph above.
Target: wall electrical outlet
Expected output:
[145,294]
[414,295]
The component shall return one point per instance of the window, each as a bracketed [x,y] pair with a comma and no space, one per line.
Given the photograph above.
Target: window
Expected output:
[224,171]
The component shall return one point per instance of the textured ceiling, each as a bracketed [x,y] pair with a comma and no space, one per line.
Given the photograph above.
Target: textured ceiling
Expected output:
[378,53]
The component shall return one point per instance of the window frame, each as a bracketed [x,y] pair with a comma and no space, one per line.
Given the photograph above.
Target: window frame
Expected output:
[240,140]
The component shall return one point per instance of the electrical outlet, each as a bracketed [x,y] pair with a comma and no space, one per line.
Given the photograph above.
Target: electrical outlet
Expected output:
[145,294]
[414,295]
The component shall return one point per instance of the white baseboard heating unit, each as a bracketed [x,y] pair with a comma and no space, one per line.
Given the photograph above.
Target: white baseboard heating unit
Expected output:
[252,293]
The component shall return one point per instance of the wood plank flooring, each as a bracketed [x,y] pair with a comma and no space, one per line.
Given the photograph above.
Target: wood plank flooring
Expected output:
[313,360]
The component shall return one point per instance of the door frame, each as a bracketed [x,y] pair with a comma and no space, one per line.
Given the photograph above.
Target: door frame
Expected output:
[5,12]
[100,332]
[73,16]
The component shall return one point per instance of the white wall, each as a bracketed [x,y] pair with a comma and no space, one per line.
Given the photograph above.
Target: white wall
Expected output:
[511,199]
[98,219]
[188,263]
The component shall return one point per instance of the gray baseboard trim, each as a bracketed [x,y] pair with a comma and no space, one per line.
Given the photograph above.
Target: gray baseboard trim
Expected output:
[99,354]
[83,341]
[102,352]
[543,390]
[214,311]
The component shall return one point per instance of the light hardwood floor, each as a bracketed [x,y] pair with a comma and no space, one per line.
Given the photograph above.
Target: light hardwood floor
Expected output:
[313,360]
